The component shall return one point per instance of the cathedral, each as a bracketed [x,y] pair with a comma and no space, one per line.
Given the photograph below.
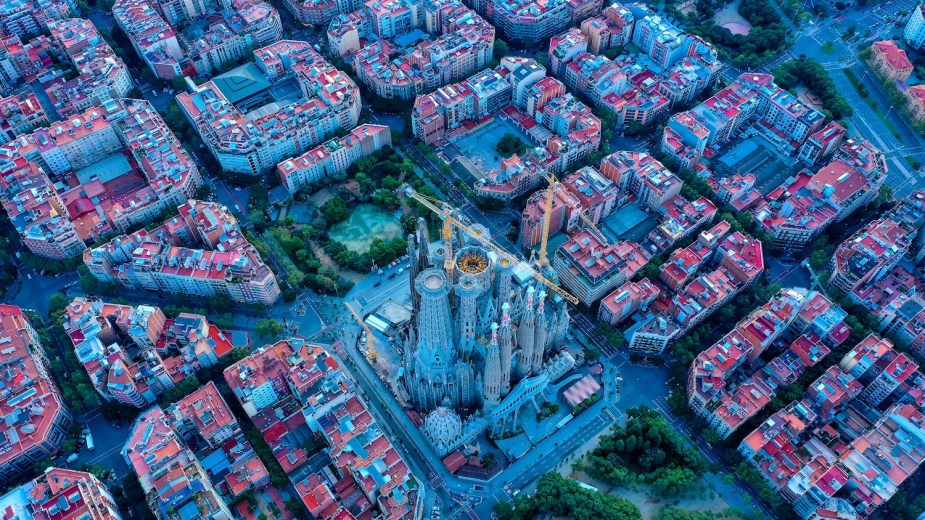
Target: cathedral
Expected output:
[475,334]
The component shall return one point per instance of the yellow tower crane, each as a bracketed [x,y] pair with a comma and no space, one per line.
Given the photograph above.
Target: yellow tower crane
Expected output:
[547,218]
[370,339]
[448,214]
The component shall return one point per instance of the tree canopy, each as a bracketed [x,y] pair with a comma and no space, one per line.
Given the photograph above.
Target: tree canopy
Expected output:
[562,497]
[810,73]
[646,450]
[268,328]
[510,144]
[767,37]
[335,210]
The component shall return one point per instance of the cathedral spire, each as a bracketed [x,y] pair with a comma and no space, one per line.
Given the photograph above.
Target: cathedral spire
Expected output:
[493,371]
[540,335]
[414,270]
[423,245]
[525,334]
[506,348]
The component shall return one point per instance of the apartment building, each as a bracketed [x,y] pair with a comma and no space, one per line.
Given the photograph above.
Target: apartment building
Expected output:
[101,75]
[702,297]
[462,44]
[725,401]
[62,494]
[823,143]
[204,420]
[915,97]
[25,18]
[597,195]
[74,66]
[890,61]
[665,43]
[292,391]
[868,255]
[651,336]
[335,155]
[611,29]
[254,141]
[320,12]
[173,479]
[35,420]
[169,50]
[684,139]
[95,328]
[135,354]
[684,262]
[20,114]
[527,22]
[914,31]
[824,456]
[806,204]
[631,87]
[515,176]
[644,176]
[116,166]
[680,218]
[201,252]
[738,191]
[589,268]
[565,127]
[742,256]
[626,300]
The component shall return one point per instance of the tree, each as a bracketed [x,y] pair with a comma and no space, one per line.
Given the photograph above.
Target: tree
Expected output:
[386,199]
[810,73]
[499,50]
[510,144]
[884,195]
[562,497]
[179,83]
[268,328]
[409,223]
[57,302]
[69,446]
[335,210]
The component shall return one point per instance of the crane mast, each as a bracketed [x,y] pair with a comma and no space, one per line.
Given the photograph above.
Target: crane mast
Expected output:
[547,218]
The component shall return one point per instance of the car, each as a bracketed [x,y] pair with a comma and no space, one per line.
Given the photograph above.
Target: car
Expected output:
[393,275]
[237,208]
[72,458]
[377,284]
[379,272]
[402,270]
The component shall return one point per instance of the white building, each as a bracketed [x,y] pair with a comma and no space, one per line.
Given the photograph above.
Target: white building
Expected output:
[914,33]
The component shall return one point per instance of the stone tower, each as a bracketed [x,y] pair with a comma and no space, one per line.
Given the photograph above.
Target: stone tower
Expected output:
[419,259]
[506,348]
[493,371]
[539,336]
[525,335]
[503,280]
[413,271]
[432,375]
[468,292]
